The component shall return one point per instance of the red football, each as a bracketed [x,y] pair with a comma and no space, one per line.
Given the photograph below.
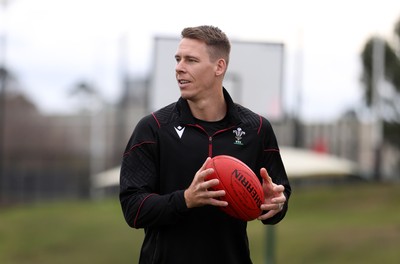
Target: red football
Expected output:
[243,190]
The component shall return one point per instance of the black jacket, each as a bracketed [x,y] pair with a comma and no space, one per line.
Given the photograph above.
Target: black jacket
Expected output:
[161,158]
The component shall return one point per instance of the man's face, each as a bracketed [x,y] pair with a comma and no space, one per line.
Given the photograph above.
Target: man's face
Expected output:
[195,72]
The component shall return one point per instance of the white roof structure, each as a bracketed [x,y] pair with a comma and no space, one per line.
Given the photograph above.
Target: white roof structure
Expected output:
[301,163]
[107,178]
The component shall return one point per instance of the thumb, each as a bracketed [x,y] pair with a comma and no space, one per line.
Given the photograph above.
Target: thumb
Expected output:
[267,182]
[266,179]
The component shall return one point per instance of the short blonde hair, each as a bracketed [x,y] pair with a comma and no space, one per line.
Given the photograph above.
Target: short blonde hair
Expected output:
[217,42]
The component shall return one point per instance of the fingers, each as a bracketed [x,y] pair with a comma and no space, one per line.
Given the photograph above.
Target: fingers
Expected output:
[278,206]
[278,188]
[268,184]
[204,166]
[203,172]
[269,214]
[200,191]
[212,196]
[206,185]
[206,196]
[274,197]
[272,209]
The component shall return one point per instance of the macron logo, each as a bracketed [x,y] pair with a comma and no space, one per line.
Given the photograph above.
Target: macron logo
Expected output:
[179,130]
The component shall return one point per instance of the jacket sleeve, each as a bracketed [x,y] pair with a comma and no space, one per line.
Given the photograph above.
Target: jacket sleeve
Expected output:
[141,203]
[272,161]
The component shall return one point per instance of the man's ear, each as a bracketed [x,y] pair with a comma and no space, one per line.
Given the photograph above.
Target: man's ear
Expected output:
[220,67]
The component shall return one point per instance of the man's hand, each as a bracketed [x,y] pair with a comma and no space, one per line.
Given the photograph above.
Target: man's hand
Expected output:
[198,194]
[274,199]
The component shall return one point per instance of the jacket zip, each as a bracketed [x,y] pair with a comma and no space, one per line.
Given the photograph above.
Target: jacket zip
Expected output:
[210,146]
[210,138]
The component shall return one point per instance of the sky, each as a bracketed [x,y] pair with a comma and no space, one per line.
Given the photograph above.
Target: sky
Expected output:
[51,45]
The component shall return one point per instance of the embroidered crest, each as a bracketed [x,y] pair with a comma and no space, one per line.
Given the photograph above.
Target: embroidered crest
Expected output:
[239,133]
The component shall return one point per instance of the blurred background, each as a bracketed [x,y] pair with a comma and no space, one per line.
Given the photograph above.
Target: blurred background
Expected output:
[76,77]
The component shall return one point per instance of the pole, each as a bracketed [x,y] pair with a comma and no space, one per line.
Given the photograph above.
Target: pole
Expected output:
[298,129]
[271,239]
[3,83]
[378,71]
[123,103]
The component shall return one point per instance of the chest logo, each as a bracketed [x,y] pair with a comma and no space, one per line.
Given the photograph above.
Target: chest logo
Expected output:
[179,130]
[239,133]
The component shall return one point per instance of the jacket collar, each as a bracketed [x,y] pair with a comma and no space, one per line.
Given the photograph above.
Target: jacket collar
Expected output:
[186,117]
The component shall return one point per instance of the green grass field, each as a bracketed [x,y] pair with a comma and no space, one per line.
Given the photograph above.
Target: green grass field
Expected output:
[336,224]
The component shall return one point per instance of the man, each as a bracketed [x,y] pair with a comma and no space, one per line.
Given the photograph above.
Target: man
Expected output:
[162,184]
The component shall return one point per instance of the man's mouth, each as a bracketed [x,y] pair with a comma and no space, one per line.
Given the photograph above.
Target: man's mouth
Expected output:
[183,81]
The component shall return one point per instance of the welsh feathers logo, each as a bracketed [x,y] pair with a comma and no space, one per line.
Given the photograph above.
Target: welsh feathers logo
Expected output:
[239,133]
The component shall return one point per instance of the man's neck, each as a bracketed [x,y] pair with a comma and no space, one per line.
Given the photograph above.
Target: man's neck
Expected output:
[210,109]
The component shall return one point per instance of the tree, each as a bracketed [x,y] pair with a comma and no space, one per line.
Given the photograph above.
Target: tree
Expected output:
[390,97]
